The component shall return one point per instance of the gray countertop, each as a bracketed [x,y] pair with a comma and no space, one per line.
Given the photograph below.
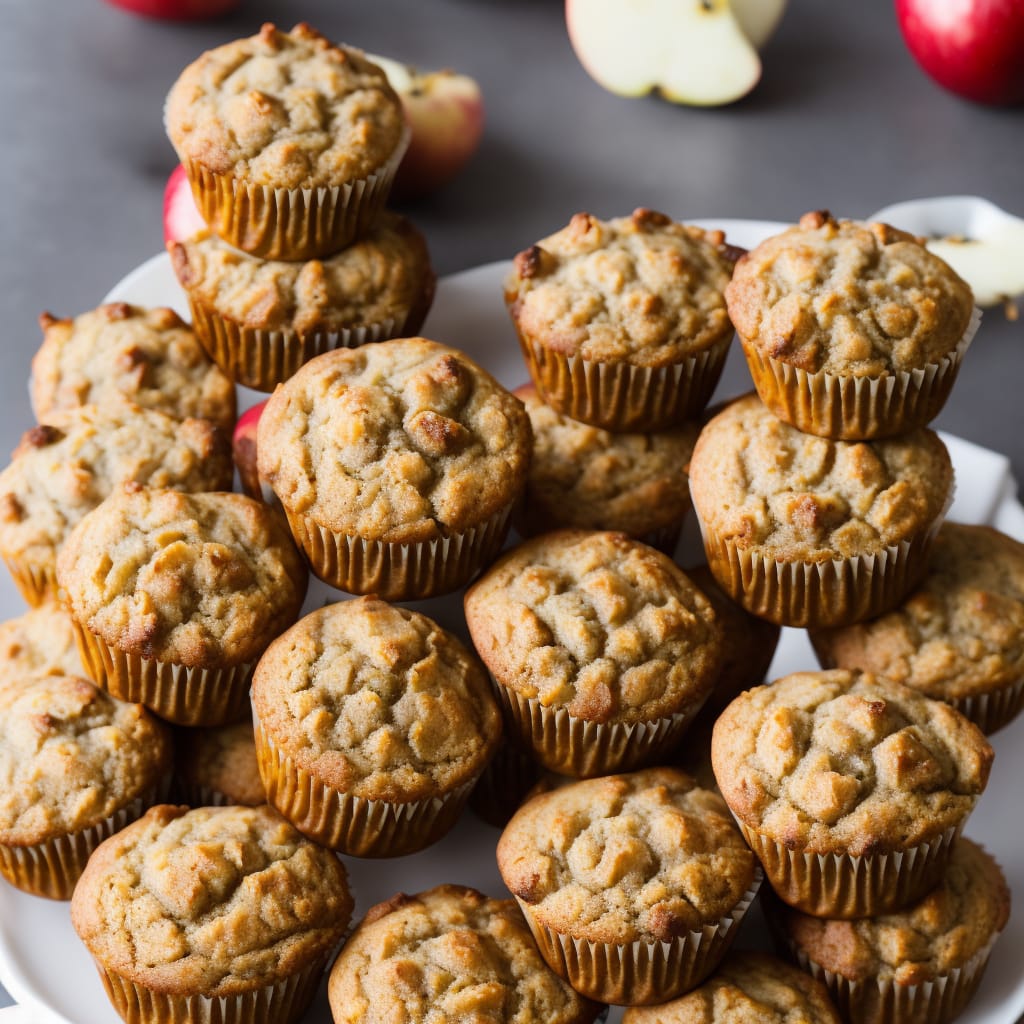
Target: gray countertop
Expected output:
[842,119]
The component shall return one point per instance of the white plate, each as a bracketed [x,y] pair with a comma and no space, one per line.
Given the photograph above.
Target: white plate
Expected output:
[44,966]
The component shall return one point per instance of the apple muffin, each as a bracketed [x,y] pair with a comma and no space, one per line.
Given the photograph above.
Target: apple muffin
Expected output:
[147,356]
[39,643]
[806,531]
[623,322]
[217,766]
[289,141]
[851,330]
[851,789]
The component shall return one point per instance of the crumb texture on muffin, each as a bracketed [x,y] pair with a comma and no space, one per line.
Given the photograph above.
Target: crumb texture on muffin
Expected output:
[39,643]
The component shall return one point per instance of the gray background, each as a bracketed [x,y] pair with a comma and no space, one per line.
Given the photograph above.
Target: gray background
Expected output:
[842,119]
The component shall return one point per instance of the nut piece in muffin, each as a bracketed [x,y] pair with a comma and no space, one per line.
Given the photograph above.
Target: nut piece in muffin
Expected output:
[602,649]
[290,142]
[448,954]
[918,966]
[65,466]
[957,637]
[806,531]
[75,767]
[229,904]
[216,767]
[584,477]
[372,724]
[397,465]
[851,330]
[260,320]
[147,356]
[748,988]
[175,596]
[616,874]
[830,773]
[39,643]
[623,322]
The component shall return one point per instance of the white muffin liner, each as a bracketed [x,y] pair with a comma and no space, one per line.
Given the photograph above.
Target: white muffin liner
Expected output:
[857,408]
[991,711]
[639,973]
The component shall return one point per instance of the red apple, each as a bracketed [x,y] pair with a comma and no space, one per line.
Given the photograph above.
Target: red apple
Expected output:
[178,10]
[445,112]
[974,48]
[243,451]
[182,218]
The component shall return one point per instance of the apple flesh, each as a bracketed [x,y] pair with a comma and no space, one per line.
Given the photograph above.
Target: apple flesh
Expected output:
[758,18]
[243,451]
[182,218]
[178,10]
[445,112]
[974,48]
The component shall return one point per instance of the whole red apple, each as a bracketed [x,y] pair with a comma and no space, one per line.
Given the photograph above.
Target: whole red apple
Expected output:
[182,218]
[974,48]
[177,10]
[243,451]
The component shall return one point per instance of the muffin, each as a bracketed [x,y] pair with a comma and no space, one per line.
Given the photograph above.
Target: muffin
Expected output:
[372,724]
[634,885]
[623,322]
[448,954]
[175,596]
[147,356]
[217,767]
[290,143]
[805,531]
[75,767]
[397,465]
[918,966]
[260,320]
[507,780]
[220,914]
[65,466]
[851,330]
[749,988]
[957,636]
[851,789]
[39,643]
[584,477]
[601,649]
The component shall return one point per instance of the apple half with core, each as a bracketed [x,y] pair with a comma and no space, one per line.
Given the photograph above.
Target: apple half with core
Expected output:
[182,218]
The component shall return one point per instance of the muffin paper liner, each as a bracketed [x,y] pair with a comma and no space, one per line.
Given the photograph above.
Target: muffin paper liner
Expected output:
[857,408]
[291,224]
[622,397]
[52,868]
[178,693]
[281,1003]
[36,584]
[506,780]
[991,711]
[574,746]
[394,571]
[353,825]
[639,973]
[845,886]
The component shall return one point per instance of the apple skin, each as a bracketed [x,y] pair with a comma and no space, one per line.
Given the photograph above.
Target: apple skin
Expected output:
[182,218]
[974,48]
[243,451]
[178,10]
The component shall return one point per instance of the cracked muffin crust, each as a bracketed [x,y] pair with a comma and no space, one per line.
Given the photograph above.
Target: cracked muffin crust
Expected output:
[218,766]
[39,643]
[448,954]
[147,356]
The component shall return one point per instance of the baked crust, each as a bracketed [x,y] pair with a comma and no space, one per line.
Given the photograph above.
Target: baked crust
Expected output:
[39,643]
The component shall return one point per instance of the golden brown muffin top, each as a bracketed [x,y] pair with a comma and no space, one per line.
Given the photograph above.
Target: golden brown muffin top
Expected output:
[215,901]
[585,477]
[147,356]
[748,988]
[381,276]
[221,759]
[844,761]
[39,643]
[596,623]
[401,441]
[70,756]
[959,633]
[644,289]
[957,919]
[770,488]
[285,109]
[65,466]
[194,579]
[448,954]
[848,298]
[377,701]
[645,856]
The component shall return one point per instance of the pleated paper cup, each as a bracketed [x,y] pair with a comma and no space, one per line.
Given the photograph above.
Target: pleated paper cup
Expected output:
[182,694]
[504,784]
[620,397]
[850,408]
[991,711]
[37,584]
[395,571]
[639,973]
[350,824]
[841,885]
[291,224]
